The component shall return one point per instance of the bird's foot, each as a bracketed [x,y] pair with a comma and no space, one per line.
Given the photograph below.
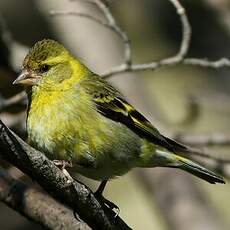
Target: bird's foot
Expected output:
[77,217]
[107,203]
[62,164]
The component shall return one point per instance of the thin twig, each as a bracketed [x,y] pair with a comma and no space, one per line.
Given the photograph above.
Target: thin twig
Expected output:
[110,23]
[128,66]
[103,6]
[223,62]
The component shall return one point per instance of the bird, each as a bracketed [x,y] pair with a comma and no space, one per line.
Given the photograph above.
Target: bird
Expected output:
[78,119]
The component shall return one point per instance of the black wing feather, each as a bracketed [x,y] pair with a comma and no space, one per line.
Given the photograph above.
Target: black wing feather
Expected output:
[112,105]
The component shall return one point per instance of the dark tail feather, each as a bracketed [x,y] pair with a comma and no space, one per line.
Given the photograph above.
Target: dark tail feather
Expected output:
[191,166]
[200,171]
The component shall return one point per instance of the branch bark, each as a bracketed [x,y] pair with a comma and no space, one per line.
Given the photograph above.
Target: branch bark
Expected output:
[76,195]
[36,205]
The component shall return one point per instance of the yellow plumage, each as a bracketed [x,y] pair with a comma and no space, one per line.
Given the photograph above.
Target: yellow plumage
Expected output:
[77,116]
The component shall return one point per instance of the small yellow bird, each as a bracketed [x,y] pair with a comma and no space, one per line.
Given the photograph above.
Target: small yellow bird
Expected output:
[76,116]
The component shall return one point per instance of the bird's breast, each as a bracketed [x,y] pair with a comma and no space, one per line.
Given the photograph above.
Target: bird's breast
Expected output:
[50,122]
[69,127]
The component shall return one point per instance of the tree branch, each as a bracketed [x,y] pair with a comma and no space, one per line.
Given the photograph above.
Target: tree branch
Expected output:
[37,206]
[39,167]
[110,23]
[127,65]
[223,62]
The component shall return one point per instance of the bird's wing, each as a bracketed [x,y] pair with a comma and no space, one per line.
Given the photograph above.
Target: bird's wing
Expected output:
[112,104]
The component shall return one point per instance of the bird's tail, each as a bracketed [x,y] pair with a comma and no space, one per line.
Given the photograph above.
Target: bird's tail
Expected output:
[167,159]
[195,169]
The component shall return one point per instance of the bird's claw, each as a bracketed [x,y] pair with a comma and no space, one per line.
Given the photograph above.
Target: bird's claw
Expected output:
[62,164]
[107,203]
[112,206]
[77,217]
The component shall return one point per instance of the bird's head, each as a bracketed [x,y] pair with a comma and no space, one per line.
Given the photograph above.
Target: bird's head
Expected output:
[47,63]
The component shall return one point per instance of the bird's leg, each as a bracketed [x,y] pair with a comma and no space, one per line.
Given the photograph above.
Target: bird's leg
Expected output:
[99,195]
[62,164]
[101,187]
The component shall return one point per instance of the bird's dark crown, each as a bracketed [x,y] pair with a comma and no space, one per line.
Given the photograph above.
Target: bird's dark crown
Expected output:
[42,51]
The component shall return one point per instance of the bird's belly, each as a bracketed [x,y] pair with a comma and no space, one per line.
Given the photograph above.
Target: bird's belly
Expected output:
[99,157]
[106,171]
[99,150]
[113,154]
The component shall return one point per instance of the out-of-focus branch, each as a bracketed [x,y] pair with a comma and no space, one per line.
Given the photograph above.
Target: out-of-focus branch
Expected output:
[203,139]
[180,200]
[221,164]
[14,48]
[128,66]
[223,62]
[16,99]
[109,23]
[5,33]
[75,195]
[222,13]
[104,8]
[207,155]
[37,206]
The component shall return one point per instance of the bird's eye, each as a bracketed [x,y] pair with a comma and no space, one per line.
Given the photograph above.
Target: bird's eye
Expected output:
[44,68]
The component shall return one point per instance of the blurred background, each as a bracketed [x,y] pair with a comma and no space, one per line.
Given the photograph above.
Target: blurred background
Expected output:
[180,99]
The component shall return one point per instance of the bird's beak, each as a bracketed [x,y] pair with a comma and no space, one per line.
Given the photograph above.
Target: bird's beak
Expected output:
[26,78]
